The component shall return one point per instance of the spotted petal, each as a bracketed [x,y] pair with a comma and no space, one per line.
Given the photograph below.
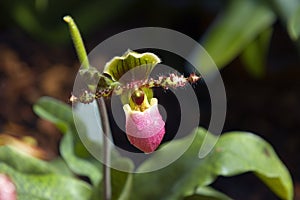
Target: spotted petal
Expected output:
[145,130]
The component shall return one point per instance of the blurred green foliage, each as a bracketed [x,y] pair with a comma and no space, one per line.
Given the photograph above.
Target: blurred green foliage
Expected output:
[240,27]
[42,19]
[188,177]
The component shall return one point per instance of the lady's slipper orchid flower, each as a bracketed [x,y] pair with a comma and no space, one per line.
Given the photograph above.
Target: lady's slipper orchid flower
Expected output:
[145,127]
[128,73]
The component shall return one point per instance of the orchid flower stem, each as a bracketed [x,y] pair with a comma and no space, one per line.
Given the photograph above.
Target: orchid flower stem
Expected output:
[78,43]
[106,149]
[83,58]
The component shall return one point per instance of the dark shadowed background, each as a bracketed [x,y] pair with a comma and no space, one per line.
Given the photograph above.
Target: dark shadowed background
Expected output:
[261,73]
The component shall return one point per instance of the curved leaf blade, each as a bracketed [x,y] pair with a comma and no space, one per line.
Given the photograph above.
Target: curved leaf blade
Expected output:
[244,152]
[23,162]
[233,30]
[206,193]
[293,24]
[235,153]
[47,186]
[54,111]
[78,165]
[71,147]
[254,55]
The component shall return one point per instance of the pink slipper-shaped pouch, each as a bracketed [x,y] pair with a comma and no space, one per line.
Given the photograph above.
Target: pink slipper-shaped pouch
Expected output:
[145,129]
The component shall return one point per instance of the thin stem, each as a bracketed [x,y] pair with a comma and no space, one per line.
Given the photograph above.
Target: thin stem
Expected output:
[78,43]
[82,55]
[106,149]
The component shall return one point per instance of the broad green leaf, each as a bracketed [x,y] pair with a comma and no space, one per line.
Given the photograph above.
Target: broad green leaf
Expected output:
[288,11]
[142,63]
[71,148]
[175,180]
[240,23]
[47,186]
[235,153]
[254,55]
[61,115]
[78,165]
[55,111]
[239,152]
[23,162]
[29,197]
[60,166]
[206,193]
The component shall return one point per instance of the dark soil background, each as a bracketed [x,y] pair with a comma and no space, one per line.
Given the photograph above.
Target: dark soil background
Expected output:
[268,106]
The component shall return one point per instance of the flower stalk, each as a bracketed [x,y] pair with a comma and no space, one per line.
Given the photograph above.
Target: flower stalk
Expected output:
[83,58]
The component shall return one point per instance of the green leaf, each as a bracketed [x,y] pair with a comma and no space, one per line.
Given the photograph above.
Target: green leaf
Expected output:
[42,22]
[23,162]
[240,23]
[294,24]
[235,153]
[206,193]
[60,166]
[61,115]
[289,13]
[47,186]
[248,152]
[254,56]
[143,64]
[55,111]
[78,165]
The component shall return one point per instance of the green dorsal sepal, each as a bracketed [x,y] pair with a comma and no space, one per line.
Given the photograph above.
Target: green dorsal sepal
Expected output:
[139,66]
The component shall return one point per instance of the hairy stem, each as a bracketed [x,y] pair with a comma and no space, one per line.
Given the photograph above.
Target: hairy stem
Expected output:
[106,149]
[78,43]
[82,56]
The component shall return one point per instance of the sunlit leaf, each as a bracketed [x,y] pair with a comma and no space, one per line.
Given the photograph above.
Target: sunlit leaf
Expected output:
[235,153]
[288,12]
[255,54]
[47,186]
[294,24]
[206,193]
[61,115]
[239,152]
[239,24]
[54,111]
[23,162]
[79,166]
